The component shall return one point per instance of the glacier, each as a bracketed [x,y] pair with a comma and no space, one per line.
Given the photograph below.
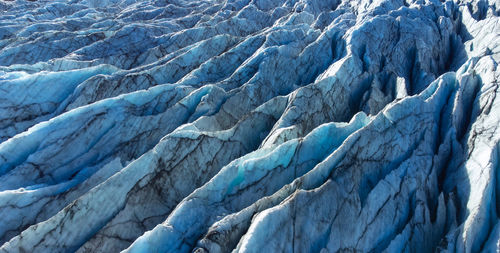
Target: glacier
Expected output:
[249,126]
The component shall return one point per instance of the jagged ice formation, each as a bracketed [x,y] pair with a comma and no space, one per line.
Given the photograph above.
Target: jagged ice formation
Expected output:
[250,126]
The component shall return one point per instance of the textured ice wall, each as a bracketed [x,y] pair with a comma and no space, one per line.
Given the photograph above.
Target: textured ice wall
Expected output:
[250,126]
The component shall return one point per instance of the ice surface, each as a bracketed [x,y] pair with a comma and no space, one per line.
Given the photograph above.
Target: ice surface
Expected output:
[249,126]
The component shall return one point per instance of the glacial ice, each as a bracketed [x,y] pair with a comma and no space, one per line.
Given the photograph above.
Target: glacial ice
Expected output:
[249,126]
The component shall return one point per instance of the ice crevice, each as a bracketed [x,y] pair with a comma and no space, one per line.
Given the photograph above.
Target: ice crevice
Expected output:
[249,126]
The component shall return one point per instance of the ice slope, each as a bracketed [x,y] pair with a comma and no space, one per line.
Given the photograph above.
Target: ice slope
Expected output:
[249,126]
